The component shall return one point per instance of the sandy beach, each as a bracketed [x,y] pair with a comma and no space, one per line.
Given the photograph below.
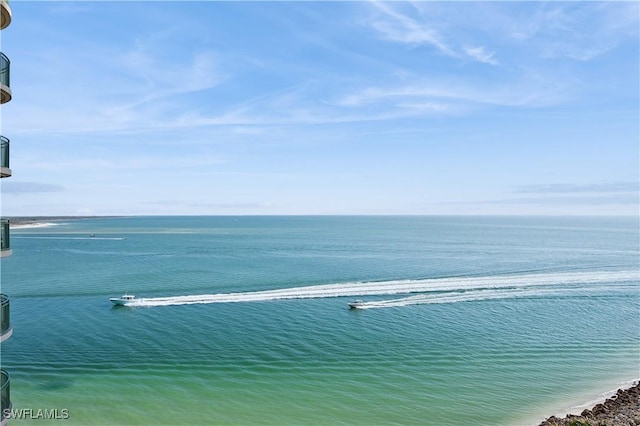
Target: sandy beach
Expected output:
[32,225]
[28,222]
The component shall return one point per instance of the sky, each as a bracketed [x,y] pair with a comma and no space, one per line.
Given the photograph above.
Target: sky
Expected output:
[286,108]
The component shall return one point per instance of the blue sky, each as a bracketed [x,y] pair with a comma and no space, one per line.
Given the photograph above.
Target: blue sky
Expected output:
[124,108]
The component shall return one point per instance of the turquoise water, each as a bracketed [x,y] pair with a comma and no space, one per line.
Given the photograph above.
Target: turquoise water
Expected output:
[469,320]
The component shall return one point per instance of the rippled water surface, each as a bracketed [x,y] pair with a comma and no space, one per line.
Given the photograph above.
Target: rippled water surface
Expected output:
[467,320]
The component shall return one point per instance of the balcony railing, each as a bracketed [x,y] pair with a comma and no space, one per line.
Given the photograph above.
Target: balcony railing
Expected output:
[5,318]
[5,77]
[5,241]
[5,171]
[6,14]
[5,396]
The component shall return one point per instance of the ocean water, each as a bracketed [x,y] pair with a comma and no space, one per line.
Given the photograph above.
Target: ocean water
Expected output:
[467,320]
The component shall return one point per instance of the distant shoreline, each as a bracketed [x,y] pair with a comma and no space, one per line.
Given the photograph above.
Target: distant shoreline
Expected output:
[24,222]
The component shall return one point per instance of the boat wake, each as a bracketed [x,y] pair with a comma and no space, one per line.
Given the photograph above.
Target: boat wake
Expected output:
[432,290]
[493,294]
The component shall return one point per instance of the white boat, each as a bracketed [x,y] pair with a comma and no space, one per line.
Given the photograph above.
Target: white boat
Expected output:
[356,304]
[125,300]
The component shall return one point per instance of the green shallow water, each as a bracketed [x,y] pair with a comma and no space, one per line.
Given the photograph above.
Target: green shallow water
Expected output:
[565,322]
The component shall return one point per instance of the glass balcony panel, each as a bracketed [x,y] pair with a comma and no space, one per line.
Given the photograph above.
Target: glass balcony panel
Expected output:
[5,242]
[5,318]
[5,394]
[5,70]
[5,171]
[5,78]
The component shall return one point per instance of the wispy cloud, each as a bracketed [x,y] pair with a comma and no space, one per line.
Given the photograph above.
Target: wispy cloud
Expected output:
[605,197]
[571,200]
[574,30]
[413,26]
[18,188]
[238,205]
[133,83]
[562,188]
[480,54]
[396,26]
[454,96]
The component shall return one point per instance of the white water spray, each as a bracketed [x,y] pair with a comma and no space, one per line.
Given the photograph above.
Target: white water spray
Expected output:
[432,290]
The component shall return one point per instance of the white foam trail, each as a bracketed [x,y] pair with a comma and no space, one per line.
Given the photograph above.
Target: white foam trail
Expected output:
[475,295]
[505,284]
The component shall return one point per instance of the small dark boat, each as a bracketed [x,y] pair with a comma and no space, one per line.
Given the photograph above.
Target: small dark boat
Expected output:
[356,304]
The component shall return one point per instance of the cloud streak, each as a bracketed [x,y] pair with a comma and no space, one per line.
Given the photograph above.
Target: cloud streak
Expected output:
[572,200]
[19,188]
[396,26]
[413,27]
[455,96]
[559,188]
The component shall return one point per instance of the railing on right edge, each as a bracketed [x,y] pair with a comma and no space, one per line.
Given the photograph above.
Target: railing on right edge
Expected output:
[5,70]
[5,240]
[5,395]
[5,317]
[5,78]
[5,170]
